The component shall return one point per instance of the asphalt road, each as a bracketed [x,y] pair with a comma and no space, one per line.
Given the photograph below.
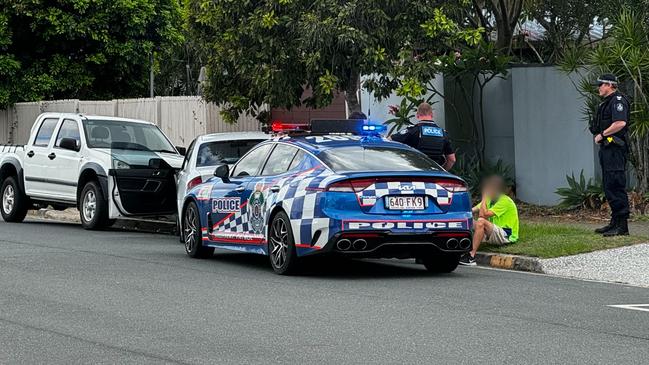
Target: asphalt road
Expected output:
[68,296]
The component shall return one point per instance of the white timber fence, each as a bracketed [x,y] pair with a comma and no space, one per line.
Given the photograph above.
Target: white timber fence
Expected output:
[182,118]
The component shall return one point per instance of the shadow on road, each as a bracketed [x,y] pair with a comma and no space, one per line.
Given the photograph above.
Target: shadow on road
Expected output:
[119,226]
[331,267]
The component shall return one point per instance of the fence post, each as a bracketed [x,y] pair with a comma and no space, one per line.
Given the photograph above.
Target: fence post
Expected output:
[13,125]
[158,111]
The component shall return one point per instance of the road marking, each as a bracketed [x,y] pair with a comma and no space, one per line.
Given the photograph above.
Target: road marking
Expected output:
[635,307]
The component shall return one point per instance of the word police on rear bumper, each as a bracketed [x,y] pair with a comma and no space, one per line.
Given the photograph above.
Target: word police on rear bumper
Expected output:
[405,225]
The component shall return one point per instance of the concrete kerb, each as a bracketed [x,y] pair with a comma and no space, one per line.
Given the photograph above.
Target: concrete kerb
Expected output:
[509,262]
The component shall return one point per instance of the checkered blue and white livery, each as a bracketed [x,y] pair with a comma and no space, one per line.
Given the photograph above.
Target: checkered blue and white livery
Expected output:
[301,202]
[378,190]
[298,201]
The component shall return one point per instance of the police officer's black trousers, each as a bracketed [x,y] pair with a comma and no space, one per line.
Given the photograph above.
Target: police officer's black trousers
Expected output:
[613,162]
[615,191]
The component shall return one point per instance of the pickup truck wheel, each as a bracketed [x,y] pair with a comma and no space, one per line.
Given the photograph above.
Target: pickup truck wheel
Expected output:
[14,203]
[93,208]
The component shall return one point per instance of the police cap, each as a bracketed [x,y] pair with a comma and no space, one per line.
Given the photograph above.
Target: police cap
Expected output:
[606,79]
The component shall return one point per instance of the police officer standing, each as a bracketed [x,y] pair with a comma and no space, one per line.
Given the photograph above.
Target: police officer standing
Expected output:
[610,130]
[428,137]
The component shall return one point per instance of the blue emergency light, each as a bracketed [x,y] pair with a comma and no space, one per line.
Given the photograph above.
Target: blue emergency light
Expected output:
[373,128]
[346,126]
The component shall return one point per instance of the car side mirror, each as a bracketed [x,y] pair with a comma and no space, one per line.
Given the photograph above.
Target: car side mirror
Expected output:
[69,144]
[159,164]
[223,172]
[181,150]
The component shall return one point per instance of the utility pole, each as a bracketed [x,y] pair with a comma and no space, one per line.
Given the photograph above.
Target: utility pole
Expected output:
[151,76]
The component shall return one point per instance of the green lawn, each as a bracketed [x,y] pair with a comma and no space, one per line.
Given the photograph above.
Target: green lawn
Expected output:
[547,240]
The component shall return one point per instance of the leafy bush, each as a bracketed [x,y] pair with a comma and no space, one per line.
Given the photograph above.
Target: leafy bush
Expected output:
[469,168]
[581,194]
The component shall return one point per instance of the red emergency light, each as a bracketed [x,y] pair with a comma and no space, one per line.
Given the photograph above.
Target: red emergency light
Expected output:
[281,127]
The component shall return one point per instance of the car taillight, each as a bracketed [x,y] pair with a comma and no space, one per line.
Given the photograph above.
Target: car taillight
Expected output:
[193,182]
[454,186]
[341,187]
[350,186]
[360,185]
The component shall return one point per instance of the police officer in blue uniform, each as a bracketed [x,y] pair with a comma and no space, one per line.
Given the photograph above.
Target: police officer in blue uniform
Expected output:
[428,137]
[610,128]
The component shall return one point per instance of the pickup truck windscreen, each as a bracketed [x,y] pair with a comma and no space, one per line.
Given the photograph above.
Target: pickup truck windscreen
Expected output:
[126,136]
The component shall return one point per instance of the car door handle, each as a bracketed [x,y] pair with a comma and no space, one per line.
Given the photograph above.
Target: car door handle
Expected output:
[274,189]
[51,156]
[240,188]
[30,154]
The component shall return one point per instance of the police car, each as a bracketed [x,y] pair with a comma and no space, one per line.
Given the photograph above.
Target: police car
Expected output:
[339,189]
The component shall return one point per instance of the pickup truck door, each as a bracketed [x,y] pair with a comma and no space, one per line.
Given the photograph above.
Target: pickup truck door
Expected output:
[65,163]
[147,189]
[38,182]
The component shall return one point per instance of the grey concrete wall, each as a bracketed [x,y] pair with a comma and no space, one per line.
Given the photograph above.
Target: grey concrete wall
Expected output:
[498,117]
[499,121]
[378,110]
[551,139]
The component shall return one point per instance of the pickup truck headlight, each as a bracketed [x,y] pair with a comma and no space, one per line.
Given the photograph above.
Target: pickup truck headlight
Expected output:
[120,165]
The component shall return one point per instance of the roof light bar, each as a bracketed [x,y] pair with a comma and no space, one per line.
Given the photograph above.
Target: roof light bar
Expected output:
[346,126]
[281,127]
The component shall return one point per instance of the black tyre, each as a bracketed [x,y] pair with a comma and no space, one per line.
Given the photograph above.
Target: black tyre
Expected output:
[441,263]
[14,204]
[93,208]
[191,232]
[281,245]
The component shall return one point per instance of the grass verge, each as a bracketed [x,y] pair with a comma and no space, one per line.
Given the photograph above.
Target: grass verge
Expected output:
[545,240]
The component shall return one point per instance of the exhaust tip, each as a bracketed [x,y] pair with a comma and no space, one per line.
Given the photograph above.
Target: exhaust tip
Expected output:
[359,245]
[452,243]
[344,244]
[465,243]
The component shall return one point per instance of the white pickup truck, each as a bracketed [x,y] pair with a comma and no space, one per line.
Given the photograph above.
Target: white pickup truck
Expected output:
[107,167]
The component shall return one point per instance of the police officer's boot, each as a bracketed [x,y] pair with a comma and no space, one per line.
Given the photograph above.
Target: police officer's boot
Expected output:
[608,227]
[621,229]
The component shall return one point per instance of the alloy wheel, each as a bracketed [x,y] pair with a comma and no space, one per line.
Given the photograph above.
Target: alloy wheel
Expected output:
[279,242]
[8,199]
[190,229]
[89,206]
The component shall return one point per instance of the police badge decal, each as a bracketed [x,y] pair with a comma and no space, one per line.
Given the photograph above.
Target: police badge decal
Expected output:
[256,209]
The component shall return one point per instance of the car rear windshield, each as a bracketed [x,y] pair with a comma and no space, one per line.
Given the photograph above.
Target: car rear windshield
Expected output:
[228,152]
[364,158]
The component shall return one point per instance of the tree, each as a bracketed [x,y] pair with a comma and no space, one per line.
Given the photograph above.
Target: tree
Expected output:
[268,52]
[501,16]
[624,54]
[179,65]
[81,49]
[566,23]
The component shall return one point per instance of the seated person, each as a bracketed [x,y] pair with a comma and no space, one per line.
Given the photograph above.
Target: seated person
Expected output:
[497,222]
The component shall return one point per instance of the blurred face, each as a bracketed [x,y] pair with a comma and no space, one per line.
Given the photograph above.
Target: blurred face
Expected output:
[605,89]
[492,188]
